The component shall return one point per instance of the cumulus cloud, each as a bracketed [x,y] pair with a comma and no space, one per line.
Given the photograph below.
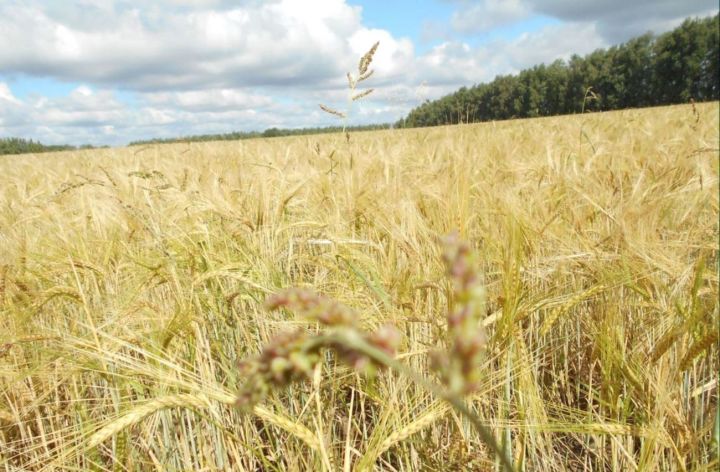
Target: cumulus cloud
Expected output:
[97,116]
[178,67]
[549,44]
[283,43]
[6,95]
[207,100]
[191,65]
[456,62]
[229,89]
[83,113]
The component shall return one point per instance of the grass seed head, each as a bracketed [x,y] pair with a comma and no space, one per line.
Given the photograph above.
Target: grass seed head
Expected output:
[366,75]
[327,109]
[362,94]
[366,60]
[460,369]
[313,307]
[291,357]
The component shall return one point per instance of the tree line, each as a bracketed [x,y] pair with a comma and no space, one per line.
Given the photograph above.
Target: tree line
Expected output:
[28,146]
[675,67]
[268,133]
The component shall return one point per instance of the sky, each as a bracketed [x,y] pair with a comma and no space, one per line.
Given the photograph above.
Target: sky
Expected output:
[108,72]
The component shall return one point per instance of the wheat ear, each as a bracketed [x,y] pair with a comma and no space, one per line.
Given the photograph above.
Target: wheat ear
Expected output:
[567,306]
[698,347]
[431,415]
[419,424]
[141,412]
[197,401]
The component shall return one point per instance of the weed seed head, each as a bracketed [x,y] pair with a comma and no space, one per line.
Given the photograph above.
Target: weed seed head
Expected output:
[460,367]
[367,59]
[291,357]
[313,307]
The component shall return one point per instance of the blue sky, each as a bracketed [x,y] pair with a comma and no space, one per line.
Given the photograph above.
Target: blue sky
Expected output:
[115,71]
[428,23]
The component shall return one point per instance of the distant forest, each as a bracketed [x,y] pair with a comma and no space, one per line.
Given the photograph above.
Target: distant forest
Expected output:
[27,146]
[675,67]
[268,133]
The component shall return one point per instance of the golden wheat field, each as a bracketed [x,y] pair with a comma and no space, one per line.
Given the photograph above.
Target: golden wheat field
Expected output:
[132,282]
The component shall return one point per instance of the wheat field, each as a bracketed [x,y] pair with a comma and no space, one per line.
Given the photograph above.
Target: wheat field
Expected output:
[132,282]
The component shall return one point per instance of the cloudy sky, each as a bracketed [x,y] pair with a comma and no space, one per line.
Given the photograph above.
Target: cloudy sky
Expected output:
[114,71]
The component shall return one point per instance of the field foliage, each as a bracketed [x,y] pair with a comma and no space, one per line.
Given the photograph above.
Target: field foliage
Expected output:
[132,281]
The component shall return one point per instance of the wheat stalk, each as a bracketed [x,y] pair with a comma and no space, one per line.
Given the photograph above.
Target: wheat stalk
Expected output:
[292,427]
[434,412]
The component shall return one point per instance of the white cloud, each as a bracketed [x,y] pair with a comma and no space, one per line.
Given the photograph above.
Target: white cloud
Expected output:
[453,63]
[402,80]
[206,100]
[76,118]
[6,95]
[145,48]
[549,44]
[177,67]
[192,65]
[97,116]
[82,107]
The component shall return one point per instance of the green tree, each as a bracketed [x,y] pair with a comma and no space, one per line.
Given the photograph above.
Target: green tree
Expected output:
[645,71]
[679,59]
